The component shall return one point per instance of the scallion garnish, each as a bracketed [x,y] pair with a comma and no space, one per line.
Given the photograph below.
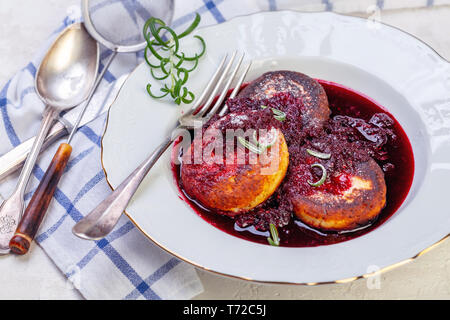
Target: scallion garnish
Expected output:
[171,63]
[274,239]
[277,114]
[319,155]
[322,179]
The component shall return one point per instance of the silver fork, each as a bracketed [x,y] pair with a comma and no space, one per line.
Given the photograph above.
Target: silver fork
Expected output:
[100,221]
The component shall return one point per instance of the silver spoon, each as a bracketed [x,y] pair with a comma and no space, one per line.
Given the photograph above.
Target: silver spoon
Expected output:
[65,78]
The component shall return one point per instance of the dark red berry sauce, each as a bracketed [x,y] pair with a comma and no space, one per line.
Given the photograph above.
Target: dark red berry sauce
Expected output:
[354,117]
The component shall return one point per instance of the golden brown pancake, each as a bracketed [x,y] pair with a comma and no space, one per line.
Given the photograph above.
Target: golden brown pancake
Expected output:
[312,94]
[230,187]
[348,209]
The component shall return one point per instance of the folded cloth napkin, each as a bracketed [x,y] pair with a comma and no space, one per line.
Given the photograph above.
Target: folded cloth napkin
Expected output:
[124,265]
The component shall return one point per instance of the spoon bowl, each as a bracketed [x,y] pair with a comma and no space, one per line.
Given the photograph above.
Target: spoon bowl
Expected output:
[68,71]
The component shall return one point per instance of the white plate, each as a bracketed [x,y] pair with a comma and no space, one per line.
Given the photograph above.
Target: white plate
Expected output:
[400,72]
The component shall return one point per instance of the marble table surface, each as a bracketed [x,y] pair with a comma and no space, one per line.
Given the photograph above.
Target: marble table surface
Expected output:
[34,276]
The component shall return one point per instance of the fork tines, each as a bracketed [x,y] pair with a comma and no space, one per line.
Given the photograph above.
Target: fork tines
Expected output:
[221,80]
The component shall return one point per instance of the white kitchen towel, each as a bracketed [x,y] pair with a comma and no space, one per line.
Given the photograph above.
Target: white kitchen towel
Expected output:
[124,265]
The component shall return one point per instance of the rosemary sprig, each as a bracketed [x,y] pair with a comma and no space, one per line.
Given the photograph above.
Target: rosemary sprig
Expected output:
[318,154]
[259,147]
[170,64]
[250,146]
[322,179]
[277,114]
[274,239]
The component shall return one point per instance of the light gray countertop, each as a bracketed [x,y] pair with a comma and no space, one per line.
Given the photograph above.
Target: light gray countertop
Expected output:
[24,24]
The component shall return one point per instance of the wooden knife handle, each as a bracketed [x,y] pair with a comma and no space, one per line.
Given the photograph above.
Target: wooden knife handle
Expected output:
[38,205]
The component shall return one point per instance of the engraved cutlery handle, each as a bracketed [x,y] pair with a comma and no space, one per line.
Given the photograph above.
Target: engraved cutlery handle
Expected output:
[12,208]
[11,211]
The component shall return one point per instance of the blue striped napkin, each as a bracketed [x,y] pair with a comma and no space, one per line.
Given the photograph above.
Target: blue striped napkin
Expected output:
[124,265]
